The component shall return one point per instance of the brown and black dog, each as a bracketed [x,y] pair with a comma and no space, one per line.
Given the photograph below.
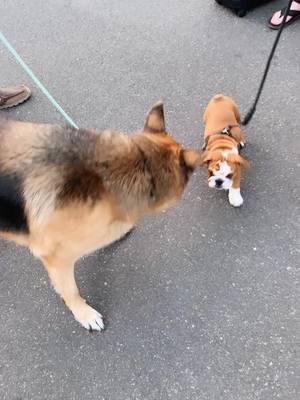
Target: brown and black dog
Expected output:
[65,192]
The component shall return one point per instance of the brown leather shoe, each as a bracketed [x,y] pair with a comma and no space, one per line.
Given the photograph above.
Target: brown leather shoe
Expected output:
[13,95]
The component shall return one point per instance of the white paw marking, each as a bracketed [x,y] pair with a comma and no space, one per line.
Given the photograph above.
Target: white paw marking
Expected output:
[89,318]
[235,198]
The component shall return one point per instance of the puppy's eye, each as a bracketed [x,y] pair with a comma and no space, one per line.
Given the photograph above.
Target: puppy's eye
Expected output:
[229,176]
[210,173]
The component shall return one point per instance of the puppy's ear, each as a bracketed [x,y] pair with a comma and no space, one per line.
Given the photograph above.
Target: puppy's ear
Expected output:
[155,119]
[191,158]
[244,163]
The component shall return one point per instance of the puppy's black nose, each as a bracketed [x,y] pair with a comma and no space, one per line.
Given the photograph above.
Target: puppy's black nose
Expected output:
[218,182]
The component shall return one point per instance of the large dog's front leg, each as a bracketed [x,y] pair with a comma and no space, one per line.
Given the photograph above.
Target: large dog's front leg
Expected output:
[61,273]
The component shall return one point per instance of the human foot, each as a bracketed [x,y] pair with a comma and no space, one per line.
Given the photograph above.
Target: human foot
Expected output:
[293,14]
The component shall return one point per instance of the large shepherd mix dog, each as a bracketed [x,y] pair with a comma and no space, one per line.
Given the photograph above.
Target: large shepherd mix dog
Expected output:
[65,192]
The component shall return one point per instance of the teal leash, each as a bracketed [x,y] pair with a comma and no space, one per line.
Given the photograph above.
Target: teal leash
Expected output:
[35,79]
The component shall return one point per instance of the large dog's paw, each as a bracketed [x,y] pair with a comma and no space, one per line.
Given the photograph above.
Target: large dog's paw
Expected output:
[89,318]
[235,198]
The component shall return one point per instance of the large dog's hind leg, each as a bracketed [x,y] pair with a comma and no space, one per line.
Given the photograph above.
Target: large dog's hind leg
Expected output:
[61,273]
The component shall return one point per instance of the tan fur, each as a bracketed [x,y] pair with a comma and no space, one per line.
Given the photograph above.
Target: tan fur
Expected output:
[79,202]
[220,112]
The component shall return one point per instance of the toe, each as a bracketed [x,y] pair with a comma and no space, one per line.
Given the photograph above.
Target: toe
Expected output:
[90,319]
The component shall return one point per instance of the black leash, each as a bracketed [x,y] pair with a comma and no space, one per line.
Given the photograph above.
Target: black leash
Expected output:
[252,110]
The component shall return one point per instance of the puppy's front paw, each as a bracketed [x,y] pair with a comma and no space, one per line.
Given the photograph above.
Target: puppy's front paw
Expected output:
[235,198]
[88,317]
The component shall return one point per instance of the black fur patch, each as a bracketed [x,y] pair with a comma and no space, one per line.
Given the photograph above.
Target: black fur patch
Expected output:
[81,184]
[12,210]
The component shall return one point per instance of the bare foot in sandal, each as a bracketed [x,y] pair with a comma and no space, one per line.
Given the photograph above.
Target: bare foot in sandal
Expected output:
[277,18]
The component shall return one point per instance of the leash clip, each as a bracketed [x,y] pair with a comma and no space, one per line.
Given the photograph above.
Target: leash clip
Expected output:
[226,131]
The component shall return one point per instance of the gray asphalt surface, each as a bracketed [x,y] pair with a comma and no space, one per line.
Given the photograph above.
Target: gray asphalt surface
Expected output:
[203,301]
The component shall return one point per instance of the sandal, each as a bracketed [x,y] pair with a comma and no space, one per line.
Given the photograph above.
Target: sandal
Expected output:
[294,14]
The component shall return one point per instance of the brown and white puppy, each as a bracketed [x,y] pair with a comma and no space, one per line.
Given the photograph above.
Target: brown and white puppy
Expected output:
[222,140]
[65,192]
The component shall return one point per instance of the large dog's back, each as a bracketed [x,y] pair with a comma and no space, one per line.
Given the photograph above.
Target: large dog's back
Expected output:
[44,167]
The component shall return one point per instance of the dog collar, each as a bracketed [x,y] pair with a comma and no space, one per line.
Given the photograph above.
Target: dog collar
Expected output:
[225,131]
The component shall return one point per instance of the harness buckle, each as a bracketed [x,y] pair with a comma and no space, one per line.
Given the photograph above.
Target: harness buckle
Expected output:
[226,131]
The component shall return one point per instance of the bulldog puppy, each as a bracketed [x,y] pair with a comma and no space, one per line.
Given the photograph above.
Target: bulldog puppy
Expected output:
[223,140]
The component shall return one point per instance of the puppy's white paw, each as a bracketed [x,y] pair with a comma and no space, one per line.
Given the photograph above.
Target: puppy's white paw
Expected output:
[235,198]
[89,318]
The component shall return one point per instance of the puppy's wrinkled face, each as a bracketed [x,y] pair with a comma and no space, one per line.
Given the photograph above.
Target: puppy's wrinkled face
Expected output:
[222,170]
[220,174]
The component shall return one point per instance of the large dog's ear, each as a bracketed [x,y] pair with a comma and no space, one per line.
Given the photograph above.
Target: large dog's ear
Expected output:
[191,158]
[205,157]
[236,158]
[155,120]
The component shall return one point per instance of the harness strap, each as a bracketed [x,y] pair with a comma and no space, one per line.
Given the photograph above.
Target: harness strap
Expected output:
[225,131]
